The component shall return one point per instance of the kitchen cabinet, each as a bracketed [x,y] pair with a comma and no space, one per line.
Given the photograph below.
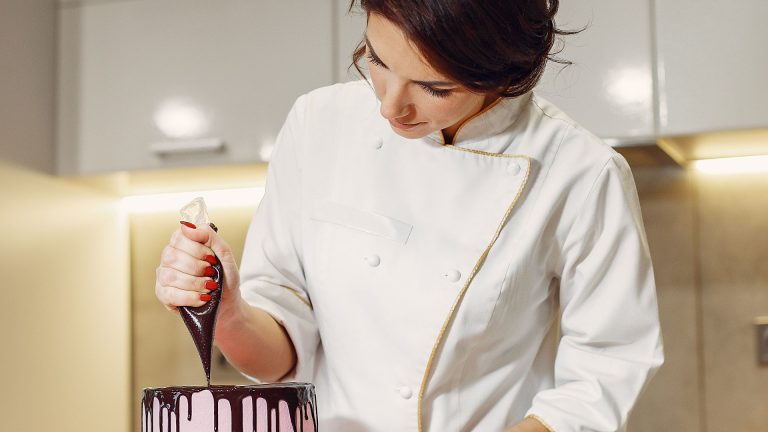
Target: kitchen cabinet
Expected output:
[712,73]
[155,84]
[349,33]
[609,87]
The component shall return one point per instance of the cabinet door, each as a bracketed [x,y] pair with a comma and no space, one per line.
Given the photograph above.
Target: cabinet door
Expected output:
[186,72]
[713,63]
[350,29]
[609,87]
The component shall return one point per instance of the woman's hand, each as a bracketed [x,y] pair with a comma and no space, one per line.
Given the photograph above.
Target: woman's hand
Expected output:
[183,277]
[243,333]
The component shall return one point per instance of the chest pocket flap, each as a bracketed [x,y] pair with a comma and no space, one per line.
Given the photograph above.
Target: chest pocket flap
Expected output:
[362,220]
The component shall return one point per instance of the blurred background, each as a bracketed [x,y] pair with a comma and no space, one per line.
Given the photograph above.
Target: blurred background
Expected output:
[115,113]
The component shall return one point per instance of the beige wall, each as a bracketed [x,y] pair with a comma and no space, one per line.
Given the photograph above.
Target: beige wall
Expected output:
[733,256]
[671,403]
[708,242]
[65,316]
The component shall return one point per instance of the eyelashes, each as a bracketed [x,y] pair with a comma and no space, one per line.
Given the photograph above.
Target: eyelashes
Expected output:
[440,93]
[374,60]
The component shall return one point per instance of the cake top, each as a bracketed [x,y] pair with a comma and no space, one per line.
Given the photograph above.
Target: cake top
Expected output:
[298,397]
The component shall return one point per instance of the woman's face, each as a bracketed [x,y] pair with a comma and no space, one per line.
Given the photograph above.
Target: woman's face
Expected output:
[416,99]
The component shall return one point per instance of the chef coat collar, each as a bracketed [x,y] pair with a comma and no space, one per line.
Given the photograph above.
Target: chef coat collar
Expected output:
[489,122]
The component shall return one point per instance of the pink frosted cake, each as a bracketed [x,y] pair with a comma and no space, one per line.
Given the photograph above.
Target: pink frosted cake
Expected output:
[287,407]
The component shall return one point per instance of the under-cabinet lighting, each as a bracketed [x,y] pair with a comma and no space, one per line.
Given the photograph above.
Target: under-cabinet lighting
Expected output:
[162,202]
[733,165]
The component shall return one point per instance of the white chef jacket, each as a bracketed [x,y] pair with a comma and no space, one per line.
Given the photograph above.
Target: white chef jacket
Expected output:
[433,287]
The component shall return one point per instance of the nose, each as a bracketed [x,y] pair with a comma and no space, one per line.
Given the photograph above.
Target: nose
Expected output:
[394,102]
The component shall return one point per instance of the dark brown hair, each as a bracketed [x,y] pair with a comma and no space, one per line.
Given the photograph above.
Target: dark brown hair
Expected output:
[488,46]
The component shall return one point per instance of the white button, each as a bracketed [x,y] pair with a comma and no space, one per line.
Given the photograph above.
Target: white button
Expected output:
[453,275]
[373,260]
[405,392]
[514,168]
[377,143]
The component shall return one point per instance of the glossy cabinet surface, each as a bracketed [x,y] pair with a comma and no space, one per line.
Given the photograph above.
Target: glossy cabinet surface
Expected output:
[713,67]
[609,87]
[350,28]
[155,84]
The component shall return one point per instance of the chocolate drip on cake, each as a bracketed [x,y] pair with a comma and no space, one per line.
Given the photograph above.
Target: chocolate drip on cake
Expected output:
[201,321]
[296,395]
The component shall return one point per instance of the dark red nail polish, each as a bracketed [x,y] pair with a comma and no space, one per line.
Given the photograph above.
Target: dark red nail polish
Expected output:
[210,259]
[209,271]
[205,297]
[211,285]
[188,224]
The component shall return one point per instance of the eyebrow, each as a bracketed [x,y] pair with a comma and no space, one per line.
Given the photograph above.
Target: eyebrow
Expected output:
[424,83]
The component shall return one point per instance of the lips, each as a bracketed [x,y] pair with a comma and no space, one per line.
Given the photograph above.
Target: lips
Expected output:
[403,126]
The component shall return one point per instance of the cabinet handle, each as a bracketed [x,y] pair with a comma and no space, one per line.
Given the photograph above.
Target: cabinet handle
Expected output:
[162,148]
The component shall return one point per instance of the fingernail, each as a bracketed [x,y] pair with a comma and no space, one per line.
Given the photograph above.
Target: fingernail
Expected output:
[209,271]
[188,224]
[211,259]
[205,297]
[211,285]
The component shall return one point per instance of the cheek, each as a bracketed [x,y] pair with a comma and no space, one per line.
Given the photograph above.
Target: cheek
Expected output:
[446,110]
[377,81]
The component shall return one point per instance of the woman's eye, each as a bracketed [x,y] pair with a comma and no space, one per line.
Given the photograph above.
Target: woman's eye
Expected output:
[441,93]
[374,60]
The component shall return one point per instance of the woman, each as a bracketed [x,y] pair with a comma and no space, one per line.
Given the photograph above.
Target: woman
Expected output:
[442,249]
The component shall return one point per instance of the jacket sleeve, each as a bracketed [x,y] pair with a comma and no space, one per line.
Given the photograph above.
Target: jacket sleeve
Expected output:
[272,276]
[610,341]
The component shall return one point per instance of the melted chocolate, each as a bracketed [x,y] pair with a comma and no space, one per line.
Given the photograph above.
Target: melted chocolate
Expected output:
[201,321]
[297,396]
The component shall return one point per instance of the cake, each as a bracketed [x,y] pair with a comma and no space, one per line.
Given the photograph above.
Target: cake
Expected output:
[286,407]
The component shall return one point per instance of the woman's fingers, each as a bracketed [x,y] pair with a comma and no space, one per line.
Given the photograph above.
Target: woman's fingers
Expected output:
[171,277]
[173,297]
[180,260]
[206,236]
[193,248]
[185,275]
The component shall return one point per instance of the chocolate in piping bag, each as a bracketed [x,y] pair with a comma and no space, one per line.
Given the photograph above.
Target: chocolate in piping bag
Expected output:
[201,321]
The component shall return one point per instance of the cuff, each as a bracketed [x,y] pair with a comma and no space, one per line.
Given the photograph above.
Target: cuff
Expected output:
[297,318]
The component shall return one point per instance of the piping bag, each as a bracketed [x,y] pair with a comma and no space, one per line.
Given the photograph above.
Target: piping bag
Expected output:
[201,321]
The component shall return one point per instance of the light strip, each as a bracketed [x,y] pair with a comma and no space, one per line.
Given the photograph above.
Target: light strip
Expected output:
[161,202]
[734,165]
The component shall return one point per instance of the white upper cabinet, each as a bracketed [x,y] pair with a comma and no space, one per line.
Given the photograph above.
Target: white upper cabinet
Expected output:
[713,68]
[349,33]
[609,87]
[167,83]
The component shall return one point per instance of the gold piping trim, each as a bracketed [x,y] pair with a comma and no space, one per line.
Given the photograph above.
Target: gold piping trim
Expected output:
[540,420]
[460,297]
[480,152]
[294,292]
[472,117]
